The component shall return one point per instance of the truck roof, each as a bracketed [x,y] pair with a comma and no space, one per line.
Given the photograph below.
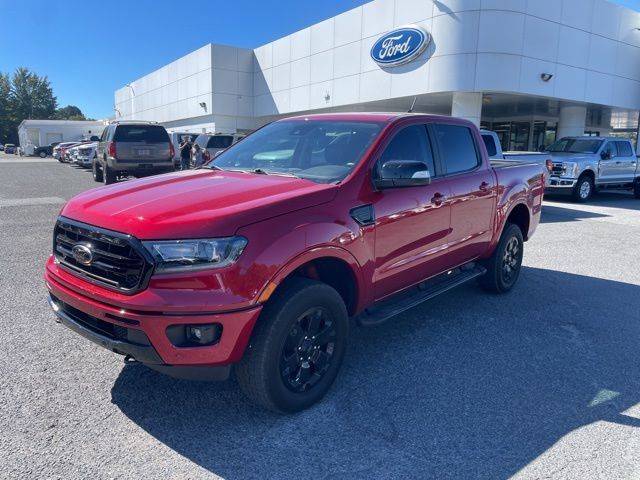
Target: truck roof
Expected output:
[369,116]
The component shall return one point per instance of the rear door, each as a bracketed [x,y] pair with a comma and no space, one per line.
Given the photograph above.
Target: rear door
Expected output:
[473,191]
[142,143]
[628,161]
[412,223]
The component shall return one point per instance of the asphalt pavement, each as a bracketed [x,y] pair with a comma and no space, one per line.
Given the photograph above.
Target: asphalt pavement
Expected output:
[541,383]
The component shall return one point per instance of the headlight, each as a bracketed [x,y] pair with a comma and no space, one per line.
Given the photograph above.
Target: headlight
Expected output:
[570,169]
[187,255]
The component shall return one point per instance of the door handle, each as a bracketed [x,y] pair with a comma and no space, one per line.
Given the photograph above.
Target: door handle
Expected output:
[438,199]
[484,186]
[618,163]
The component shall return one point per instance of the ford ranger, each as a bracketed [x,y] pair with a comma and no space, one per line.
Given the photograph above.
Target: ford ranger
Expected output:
[259,259]
[584,165]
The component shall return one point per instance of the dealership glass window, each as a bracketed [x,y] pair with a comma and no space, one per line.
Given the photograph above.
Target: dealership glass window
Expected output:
[410,143]
[457,147]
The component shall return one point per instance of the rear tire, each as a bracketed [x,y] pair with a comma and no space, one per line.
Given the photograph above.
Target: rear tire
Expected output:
[503,267]
[583,190]
[297,347]
[108,175]
[97,171]
[42,154]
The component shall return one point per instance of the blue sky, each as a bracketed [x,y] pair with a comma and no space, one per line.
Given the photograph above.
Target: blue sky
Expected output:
[88,48]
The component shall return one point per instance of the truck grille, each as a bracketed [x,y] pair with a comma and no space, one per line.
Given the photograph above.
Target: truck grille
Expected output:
[116,261]
[558,169]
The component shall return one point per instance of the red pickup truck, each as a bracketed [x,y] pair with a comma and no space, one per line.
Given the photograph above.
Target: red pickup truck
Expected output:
[260,259]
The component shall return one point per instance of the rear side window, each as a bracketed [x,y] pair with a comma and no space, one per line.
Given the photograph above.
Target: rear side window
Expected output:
[624,149]
[457,148]
[220,141]
[141,133]
[410,143]
[490,144]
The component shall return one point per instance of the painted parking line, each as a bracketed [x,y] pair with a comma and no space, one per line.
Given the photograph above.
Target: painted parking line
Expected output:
[26,202]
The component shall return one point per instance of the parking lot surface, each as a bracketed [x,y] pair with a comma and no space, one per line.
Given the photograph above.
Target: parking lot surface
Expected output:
[541,383]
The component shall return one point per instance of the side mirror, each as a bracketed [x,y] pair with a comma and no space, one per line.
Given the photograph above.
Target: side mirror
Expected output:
[403,173]
[605,155]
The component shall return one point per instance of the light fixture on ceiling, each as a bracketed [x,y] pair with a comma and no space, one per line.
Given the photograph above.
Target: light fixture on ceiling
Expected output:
[204,105]
[545,77]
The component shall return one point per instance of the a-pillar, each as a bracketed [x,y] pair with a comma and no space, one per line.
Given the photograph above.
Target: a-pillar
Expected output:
[572,121]
[467,105]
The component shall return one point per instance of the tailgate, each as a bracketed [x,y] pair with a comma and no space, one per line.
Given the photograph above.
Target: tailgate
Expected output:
[143,152]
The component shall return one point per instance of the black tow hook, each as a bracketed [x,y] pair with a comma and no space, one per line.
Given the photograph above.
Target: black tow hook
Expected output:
[129,360]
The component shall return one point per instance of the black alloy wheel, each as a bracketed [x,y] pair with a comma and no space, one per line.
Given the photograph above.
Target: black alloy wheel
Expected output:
[308,350]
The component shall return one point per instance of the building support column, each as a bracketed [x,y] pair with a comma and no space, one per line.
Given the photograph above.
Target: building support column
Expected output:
[572,121]
[467,105]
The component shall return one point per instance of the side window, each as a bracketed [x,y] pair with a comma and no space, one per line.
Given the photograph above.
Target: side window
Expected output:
[624,149]
[611,148]
[490,144]
[457,147]
[410,143]
[103,137]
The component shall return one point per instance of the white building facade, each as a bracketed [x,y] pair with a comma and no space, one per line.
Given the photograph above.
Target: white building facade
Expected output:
[45,132]
[528,69]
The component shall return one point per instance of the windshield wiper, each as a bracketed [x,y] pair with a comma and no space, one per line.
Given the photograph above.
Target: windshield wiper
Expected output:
[260,171]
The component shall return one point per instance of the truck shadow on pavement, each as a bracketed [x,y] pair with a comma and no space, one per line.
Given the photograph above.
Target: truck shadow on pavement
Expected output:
[553,214]
[467,386]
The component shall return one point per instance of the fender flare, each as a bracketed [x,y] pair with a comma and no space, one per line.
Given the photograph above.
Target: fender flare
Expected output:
[321,251]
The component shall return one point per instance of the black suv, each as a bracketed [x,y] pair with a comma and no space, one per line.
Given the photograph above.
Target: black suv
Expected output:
[132,148]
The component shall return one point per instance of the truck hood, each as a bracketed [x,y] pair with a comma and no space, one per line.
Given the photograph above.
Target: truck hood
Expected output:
[194,204]
[571,157]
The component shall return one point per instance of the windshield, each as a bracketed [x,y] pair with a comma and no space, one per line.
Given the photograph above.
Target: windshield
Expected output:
[323,151]
[575,145]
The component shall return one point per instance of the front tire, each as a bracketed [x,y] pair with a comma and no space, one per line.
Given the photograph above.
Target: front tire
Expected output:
[503,267]
[583,190]
[297,347]
[42,154]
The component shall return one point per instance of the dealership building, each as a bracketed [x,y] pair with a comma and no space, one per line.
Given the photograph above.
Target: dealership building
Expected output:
[530,70]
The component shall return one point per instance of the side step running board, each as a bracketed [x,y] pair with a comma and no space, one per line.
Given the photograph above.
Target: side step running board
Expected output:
[404,301]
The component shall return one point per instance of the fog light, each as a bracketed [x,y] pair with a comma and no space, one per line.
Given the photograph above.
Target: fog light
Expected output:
[203,334]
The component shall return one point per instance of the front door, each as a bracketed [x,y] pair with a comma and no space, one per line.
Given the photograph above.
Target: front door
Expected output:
[412,223]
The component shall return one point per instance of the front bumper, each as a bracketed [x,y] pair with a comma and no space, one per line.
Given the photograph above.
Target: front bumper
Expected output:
[143,334]
[560,184]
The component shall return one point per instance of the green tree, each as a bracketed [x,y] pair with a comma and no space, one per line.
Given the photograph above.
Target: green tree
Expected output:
[70,112]
[5,108]
[31,96]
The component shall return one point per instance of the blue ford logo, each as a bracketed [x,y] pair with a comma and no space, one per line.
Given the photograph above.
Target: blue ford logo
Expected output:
[400,46]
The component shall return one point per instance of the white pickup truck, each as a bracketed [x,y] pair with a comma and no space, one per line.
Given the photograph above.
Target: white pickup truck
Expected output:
[494,149]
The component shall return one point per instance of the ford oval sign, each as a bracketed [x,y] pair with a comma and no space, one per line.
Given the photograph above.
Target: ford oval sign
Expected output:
[400,46]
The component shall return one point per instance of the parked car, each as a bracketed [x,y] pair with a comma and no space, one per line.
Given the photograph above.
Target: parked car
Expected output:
[259,260]
[58,149]
[217,142]
[583,165]
[45,151]
[132,148]
[494,149]
[86,154]
[1,147]
[10,148]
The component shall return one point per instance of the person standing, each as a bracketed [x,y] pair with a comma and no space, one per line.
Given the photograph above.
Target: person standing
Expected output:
[198,159]
[185,153]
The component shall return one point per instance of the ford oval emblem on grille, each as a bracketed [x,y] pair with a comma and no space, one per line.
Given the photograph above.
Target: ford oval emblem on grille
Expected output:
[400,46]
[82,254]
